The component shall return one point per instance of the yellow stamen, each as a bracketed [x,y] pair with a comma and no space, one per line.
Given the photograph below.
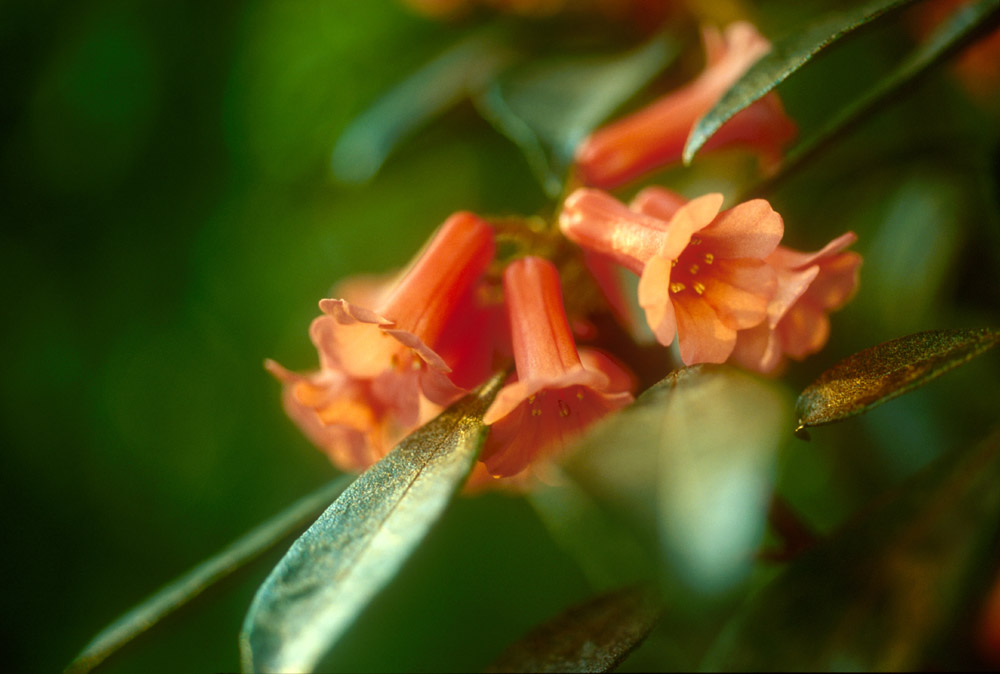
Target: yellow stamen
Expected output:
[677,287]
[699,288]
[695,241]
[673,263]
[579,395]
[694,269]
[536,412]
[531,399]
[563,408]
[709,258]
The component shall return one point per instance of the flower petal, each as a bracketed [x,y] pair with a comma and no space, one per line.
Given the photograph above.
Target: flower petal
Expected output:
[837,281]
[655,300]
[793,259]
[751,229]
[702,337]
[659,202]
[803,330]
[739,291]
[694,216]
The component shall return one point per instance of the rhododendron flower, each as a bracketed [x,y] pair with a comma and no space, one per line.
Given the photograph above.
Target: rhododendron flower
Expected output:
[810,285]
[655,135]
[385,371]
[557,391]
[702,273]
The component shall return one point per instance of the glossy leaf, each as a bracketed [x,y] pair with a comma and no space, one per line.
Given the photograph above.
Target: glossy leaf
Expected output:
[876,595]
[694,458]
[336,567]
[185,588]
[547,108]
[459,72]
[880,373]
[593,637]
[961,28]
[787,55]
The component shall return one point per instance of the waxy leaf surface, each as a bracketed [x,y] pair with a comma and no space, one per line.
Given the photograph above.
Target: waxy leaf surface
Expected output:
[693,460]
[878,594]
[185,588]
[787,55]
[336,567]
[880,373]
[592,637]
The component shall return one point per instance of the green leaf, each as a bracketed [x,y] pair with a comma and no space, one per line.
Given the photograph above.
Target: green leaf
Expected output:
[593,637]
[336,567]
[608,555]
[961,29]
[787,55]
[459,72]
[880,373]
[694,458]
[877,594]
[548,107]
[182,590]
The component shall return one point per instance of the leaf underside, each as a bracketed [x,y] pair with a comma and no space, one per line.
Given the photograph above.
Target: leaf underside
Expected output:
[355,548]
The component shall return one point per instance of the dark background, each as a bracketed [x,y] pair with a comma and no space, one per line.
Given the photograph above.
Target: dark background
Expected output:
[169,221]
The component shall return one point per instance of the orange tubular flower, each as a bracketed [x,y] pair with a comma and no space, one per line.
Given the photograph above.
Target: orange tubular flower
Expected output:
[384,372]
[702,273]
[655,135]
[558,391]
[810,285]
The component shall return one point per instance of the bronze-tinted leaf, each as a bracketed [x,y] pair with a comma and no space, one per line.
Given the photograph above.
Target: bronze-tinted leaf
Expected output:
[880,373]
[336,567]
[592,637]
[879,594]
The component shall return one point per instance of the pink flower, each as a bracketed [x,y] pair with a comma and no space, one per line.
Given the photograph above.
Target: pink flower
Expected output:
[655,135]
[702,272]
[385,371]
[810,285]
[558,390]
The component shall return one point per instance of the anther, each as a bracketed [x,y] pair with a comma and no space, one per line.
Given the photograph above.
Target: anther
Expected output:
[695,241]
[677,287]
[699,288]
[563,408]
[536,412]
[693,269]
[709,258]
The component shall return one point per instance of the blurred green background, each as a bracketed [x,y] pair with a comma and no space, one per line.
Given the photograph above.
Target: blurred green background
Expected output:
[169,222]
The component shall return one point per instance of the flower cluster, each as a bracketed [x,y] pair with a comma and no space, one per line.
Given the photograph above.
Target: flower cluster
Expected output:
[718,281]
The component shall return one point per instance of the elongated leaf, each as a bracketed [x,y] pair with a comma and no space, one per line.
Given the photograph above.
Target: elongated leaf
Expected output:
[876,595]
[880,373]
[962,28]
[336,567]
[593,637]
[185,588]
[460,71]
[547,108]
[787,55]
[694,458]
